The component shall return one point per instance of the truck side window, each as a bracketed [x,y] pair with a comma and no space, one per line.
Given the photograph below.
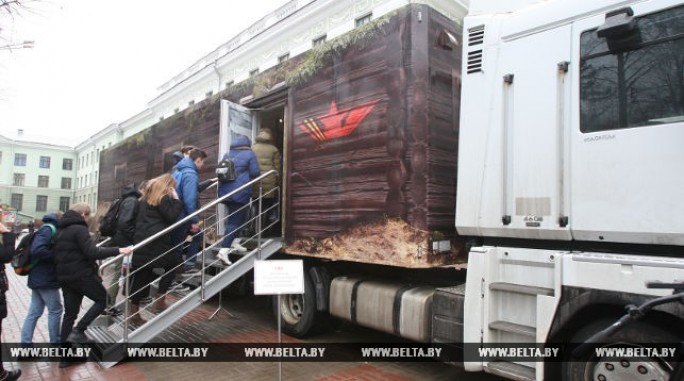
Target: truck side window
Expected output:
[638,84]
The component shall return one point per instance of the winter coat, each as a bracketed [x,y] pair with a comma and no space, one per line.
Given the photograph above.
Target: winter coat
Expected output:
[6,254]
[269,158]
[44,273]
[125,223]
[75,251]
[187,187]
[151,220]
[246,169]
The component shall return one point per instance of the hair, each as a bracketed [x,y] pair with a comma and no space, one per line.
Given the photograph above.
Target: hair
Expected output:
[81,208]
[186,149]
[142,187]
[197,153]
[157,188]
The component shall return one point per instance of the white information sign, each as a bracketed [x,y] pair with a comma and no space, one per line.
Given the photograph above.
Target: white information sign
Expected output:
[277,277]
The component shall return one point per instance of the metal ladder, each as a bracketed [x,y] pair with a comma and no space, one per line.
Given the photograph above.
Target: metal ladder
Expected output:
[112,339]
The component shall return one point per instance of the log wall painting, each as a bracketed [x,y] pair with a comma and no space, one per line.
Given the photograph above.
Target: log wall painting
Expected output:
[373,152]
[371,147]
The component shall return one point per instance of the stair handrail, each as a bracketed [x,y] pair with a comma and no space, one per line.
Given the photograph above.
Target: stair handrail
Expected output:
[187,218]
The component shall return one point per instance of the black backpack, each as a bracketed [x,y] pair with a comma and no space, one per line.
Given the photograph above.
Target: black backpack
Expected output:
[108,221]
[21,262]
[226,170]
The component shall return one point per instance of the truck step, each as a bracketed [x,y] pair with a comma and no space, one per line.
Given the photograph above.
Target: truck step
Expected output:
[511,371]
[521,288]
[519,329]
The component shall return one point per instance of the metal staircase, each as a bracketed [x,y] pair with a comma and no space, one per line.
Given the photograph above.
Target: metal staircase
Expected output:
[118,333]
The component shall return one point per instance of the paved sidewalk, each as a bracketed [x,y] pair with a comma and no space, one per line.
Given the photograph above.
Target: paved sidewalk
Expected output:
[250,321]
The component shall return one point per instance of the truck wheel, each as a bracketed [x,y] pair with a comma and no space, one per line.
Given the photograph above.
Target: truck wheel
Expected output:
[633,335]
[298,312]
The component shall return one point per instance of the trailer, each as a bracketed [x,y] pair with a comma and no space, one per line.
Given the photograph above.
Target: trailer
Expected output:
[506,179]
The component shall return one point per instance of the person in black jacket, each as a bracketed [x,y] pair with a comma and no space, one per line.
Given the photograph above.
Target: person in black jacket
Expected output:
[159,208]
[42,280]
[7,240]
[77,271]
[123,237]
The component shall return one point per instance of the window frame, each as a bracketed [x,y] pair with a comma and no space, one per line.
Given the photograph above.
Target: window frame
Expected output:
[18,162]
[41,203]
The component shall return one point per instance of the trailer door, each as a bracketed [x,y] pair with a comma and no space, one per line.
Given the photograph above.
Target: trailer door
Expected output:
[235,120]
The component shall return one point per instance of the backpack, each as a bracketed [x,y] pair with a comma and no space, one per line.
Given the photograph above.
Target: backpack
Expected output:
[21,262]
[226,170]
[108,221]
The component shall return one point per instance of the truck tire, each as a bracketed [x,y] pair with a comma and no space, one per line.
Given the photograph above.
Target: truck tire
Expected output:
[299,317]
[592,368]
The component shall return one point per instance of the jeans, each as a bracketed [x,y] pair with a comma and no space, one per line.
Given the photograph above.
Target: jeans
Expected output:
[238,216]
[193,250]
[40,298]
[113,287]
[89,286]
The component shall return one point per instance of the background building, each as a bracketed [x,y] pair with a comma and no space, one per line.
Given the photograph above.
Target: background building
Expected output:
[293,29]
[36,178]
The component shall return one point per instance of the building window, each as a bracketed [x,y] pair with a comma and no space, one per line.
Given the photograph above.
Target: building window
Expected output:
[17,201]
[319,40]
[19,179]
[64,204]
[20,159]
[254,72]
[97,156]
[85,182]
[41,203]
[283,58]
[363,20]
[66,182]
[67,164]
[44,162]
[43,181]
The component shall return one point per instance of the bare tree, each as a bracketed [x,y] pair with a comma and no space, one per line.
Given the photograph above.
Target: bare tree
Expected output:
[10,10]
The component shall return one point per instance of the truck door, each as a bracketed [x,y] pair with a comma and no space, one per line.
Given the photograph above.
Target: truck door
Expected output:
[627,157]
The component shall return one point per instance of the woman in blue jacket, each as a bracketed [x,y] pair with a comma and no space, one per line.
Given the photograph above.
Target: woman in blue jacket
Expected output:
[246,169]
[42,280]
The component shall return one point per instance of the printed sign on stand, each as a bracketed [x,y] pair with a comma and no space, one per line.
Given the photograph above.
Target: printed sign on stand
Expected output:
[277,277]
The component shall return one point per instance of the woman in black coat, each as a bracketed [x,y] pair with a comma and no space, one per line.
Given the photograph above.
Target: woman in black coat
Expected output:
[6,253]
[159,208]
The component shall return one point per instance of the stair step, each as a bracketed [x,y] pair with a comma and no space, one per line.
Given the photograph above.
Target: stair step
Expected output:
[521,288]
[511,370]
[112,332]
[520,329]
[101,335]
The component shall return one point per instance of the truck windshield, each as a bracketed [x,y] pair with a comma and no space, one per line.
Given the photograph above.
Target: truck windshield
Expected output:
[638,85]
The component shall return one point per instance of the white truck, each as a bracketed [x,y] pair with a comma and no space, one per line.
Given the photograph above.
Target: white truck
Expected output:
[569,195]
[518,184]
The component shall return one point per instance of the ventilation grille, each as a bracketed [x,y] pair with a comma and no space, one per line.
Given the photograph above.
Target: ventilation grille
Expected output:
[476,35]
[475,61]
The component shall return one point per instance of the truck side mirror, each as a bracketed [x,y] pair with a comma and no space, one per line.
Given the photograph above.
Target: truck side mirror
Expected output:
[620,29]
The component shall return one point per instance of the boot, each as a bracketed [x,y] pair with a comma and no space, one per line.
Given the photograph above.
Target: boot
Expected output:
[159,303]
[134,315]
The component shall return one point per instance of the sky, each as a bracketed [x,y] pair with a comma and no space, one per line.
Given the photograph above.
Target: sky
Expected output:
[95,63]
